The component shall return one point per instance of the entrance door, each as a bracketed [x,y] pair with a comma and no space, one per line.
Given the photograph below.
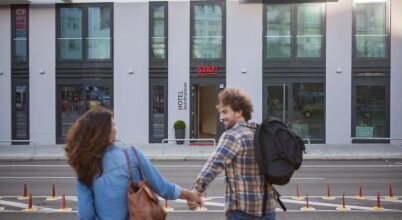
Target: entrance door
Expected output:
[204,116]
[300,106]
[158,111]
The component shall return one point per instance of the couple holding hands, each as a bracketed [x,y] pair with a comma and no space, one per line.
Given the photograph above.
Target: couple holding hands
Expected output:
[102,170]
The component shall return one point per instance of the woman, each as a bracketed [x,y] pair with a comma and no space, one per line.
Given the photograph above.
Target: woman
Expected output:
[102,169]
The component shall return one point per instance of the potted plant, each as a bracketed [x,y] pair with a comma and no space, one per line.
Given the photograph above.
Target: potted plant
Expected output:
[179,130]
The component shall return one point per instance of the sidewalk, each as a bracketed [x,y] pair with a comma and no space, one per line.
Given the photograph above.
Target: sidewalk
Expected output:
[185,152]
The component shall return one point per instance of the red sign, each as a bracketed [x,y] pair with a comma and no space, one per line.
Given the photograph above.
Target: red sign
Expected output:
[20,19]
[207,70]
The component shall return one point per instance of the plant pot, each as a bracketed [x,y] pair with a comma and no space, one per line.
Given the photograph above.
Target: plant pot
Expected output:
[179,134]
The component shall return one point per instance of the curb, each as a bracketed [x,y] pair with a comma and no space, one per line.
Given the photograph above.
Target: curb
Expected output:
[202,158]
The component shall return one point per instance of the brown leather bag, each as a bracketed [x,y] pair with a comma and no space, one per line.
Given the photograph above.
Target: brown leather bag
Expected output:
[143,204]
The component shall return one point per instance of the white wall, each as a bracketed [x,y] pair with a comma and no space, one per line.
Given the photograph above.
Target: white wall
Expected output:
[42,87]
[131,92]
[5,77]
[179,62]
[244,51]
[396,69]
[338,85]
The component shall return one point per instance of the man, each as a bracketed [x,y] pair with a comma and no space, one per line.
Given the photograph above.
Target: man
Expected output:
[235,154]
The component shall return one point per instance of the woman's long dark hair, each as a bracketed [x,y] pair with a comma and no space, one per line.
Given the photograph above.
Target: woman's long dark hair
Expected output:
[87,141]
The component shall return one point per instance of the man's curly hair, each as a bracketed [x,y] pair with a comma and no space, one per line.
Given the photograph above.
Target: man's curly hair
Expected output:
[237,100]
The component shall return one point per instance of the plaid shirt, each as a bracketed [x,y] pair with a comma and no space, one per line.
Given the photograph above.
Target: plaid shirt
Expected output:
[244,185]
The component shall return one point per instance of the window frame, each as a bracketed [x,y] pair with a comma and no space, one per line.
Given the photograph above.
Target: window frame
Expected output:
[85,19]
[371,61]
[293,31]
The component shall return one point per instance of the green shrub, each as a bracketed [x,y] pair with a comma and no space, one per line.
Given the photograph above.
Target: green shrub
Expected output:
[179,124]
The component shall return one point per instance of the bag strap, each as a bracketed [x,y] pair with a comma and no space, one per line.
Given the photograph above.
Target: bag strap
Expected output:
[138,161]
[130,176]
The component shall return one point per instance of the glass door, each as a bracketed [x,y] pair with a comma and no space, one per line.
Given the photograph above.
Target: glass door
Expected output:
[158,108]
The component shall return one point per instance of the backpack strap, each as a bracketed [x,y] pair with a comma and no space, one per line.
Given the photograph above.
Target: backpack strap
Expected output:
[276,196]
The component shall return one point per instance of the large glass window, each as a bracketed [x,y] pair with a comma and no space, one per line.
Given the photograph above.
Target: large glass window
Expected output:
[207,39]
[70,40]
[370,112]
[371,30]
[299,105]
[294,31]
[75,100]
[309,30]
[20,34]
[99,35]
[278,36]
[158,32]
[84,32]
[158,112]
[21,111]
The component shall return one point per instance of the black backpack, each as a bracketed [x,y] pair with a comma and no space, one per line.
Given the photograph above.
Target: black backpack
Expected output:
[278,153]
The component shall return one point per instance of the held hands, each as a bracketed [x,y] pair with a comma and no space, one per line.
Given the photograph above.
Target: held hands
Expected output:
[193,204]
[193,198]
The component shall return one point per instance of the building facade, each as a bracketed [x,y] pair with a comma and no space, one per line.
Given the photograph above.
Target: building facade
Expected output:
[331,70]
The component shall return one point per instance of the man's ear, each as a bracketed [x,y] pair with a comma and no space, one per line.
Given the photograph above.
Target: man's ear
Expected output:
[239,113]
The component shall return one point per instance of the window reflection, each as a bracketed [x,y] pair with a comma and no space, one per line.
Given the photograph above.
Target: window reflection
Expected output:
[70,41]
[75,100]
[21,112]
[208,34]
[158,39]
[370,33]
[99,35]
[308,110]
[278,31]
[158,109]
[20,39]
[309,30]
[370,111]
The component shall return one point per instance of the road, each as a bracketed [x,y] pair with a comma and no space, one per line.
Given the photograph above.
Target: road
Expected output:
[313,179]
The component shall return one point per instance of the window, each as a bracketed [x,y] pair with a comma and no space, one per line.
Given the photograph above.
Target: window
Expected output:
[75,99]
[294,31]
[371,34]
[207,31]
[20,34]
[158,31]
[84,32]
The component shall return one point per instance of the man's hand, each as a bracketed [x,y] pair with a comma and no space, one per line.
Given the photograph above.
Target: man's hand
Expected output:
[193,204]
[193,198]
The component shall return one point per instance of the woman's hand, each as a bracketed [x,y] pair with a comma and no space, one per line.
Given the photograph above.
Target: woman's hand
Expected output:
[193,198]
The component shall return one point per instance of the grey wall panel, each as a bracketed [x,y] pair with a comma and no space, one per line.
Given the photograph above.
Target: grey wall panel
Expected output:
[179,62]
[396,69]
[338,85]
[244,51]
[131,54]
[5,73]
[42,87]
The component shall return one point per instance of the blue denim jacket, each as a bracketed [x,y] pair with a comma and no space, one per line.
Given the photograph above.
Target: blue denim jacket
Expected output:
[107,197]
